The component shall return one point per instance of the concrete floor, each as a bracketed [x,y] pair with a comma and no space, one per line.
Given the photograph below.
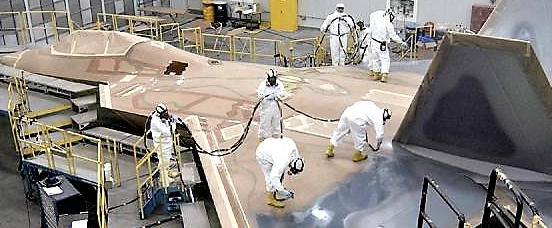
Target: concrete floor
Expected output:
[13,206]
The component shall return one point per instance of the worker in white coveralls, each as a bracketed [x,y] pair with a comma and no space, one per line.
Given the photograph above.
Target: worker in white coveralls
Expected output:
[338,25]
[383,31]
[354,121]
[163,126]
[270,90]
[275,155]
[364,40]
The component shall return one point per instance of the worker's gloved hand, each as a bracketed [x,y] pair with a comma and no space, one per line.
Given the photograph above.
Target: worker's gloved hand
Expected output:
[404,44]
[271,96]
[287,194]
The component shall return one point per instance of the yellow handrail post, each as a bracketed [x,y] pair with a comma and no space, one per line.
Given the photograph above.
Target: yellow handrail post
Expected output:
[54,25]
[68,153]
[115,154]
[254,49]
[131,26]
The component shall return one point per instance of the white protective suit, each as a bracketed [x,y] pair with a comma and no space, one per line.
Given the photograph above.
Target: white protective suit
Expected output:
[339,28]
[161,133]
[354,120]
[274,156]
[383,31]
[269,113]
[364,39]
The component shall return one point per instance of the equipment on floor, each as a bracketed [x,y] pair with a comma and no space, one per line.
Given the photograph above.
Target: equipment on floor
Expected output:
[221,12]
[50,182]
[208,10]
[58,196]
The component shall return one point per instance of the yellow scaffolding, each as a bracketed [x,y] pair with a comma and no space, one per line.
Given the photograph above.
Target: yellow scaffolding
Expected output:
[152,24]
[150,180]
[172,27]
[21,29]
[197,40]
[412,51]
[227,41]
[42,143]
[256,54]
[293,43]
[247,45]
[24,25]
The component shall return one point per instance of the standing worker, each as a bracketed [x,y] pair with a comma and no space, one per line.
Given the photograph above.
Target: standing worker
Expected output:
[163,126]
[354,120]
[269,91]
[338,24]
[383,31]
[364,40]
[274,155]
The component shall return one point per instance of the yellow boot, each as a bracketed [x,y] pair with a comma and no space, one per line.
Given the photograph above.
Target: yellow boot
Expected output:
[384,77]
[358,156]
[376,76]
[372,74]
[330,151]
[273,202]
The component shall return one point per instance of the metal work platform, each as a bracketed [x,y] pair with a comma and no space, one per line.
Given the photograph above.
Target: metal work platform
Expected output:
[83,120]
[127,140]
[85,103]
[39,101]
[57,86]
[85,171]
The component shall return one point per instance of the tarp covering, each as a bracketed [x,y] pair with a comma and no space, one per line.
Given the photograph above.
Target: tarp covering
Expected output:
[484,98]
[524,20]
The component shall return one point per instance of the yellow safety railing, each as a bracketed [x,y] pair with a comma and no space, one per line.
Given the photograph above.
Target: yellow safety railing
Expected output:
[172,27]
[293,55]
[24,24]
[413,41]
[277,44]
[197,39]
[410,51]
[54,22]
[226,41]
[113,147]
[196,42]
[152,171]
[42,143]
[20,27]
[247,44]
[152,24]
[149,179]
[320,50]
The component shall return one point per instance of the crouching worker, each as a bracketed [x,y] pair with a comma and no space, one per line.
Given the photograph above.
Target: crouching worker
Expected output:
[354,120]
[275,155]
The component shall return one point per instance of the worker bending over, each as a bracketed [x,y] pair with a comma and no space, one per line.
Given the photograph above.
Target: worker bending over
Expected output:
[275,155]
[163,126]
[383,31]
[338,24]
[354,120]
[269,91]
